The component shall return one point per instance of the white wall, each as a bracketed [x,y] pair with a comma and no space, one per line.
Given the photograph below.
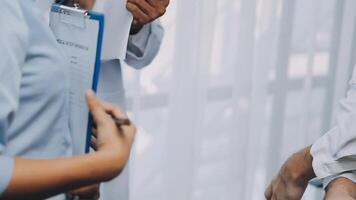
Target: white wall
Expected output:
[237,87]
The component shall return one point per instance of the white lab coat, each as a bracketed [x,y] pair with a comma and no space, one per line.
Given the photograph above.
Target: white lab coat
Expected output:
[141,50]
[334,154]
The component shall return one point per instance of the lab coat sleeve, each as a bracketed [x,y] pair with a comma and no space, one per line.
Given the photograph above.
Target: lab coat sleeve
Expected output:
[13,37]
[143,47]
[335,152]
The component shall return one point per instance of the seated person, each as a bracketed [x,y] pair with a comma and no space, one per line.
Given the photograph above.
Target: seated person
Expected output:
[331,159]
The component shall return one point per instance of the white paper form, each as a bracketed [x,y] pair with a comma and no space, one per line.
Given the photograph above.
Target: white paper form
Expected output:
[78,38]
[117,28]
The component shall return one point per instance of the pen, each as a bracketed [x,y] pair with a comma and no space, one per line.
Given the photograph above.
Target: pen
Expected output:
[121,122]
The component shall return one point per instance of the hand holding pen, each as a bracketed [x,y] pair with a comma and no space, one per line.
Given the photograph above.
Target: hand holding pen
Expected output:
[120,121]
[112,137]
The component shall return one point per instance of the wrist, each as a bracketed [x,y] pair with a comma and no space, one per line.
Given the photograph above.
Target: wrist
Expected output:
[341,186]
[105,165]
[305,167]
[135,28]
[300,167]
[308,163]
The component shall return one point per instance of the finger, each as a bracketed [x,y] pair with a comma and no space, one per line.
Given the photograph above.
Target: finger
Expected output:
[96,108]
[86,4]
[166,3]
[268,192]
[145,7]
[138,14]
[114,110]
[135,22]
[156,3]
[129,132]
[159,7]
[94,143]
[92,191]
[153,3]
[94,132]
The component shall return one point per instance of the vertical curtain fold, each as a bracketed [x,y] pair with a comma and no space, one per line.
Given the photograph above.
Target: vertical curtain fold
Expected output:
[216,121]
[190,76]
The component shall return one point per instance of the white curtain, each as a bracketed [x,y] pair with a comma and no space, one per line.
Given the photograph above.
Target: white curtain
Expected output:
[237,87]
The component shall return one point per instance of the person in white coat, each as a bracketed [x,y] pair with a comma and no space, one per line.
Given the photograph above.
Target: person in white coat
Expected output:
[143,45]
[35,138]
[331,159]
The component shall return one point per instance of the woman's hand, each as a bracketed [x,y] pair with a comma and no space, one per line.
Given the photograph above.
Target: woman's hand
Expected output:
[40,179]
[110,140]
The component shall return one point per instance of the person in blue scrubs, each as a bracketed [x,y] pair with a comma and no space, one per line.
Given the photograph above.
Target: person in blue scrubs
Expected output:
[35,142]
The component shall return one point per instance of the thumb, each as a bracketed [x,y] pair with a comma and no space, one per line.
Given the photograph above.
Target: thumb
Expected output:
[95,108]
[268,192]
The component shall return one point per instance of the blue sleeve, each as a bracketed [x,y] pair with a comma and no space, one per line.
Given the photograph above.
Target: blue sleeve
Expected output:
[13,43]
[143,47]
[7,165]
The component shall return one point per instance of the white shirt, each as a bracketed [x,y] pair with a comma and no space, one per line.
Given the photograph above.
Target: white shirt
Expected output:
[142,48]
[334,154]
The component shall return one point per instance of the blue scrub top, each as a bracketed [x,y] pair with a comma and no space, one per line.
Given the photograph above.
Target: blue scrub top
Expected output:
[33,88]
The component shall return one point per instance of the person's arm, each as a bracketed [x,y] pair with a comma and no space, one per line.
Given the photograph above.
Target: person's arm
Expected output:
[332,154]
[145,12]
[146,31]
[13,42]
[39,179]
[341,188]
[143,46]
[293,177]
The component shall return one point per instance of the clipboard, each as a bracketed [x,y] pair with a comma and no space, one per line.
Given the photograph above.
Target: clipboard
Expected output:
[80,35]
